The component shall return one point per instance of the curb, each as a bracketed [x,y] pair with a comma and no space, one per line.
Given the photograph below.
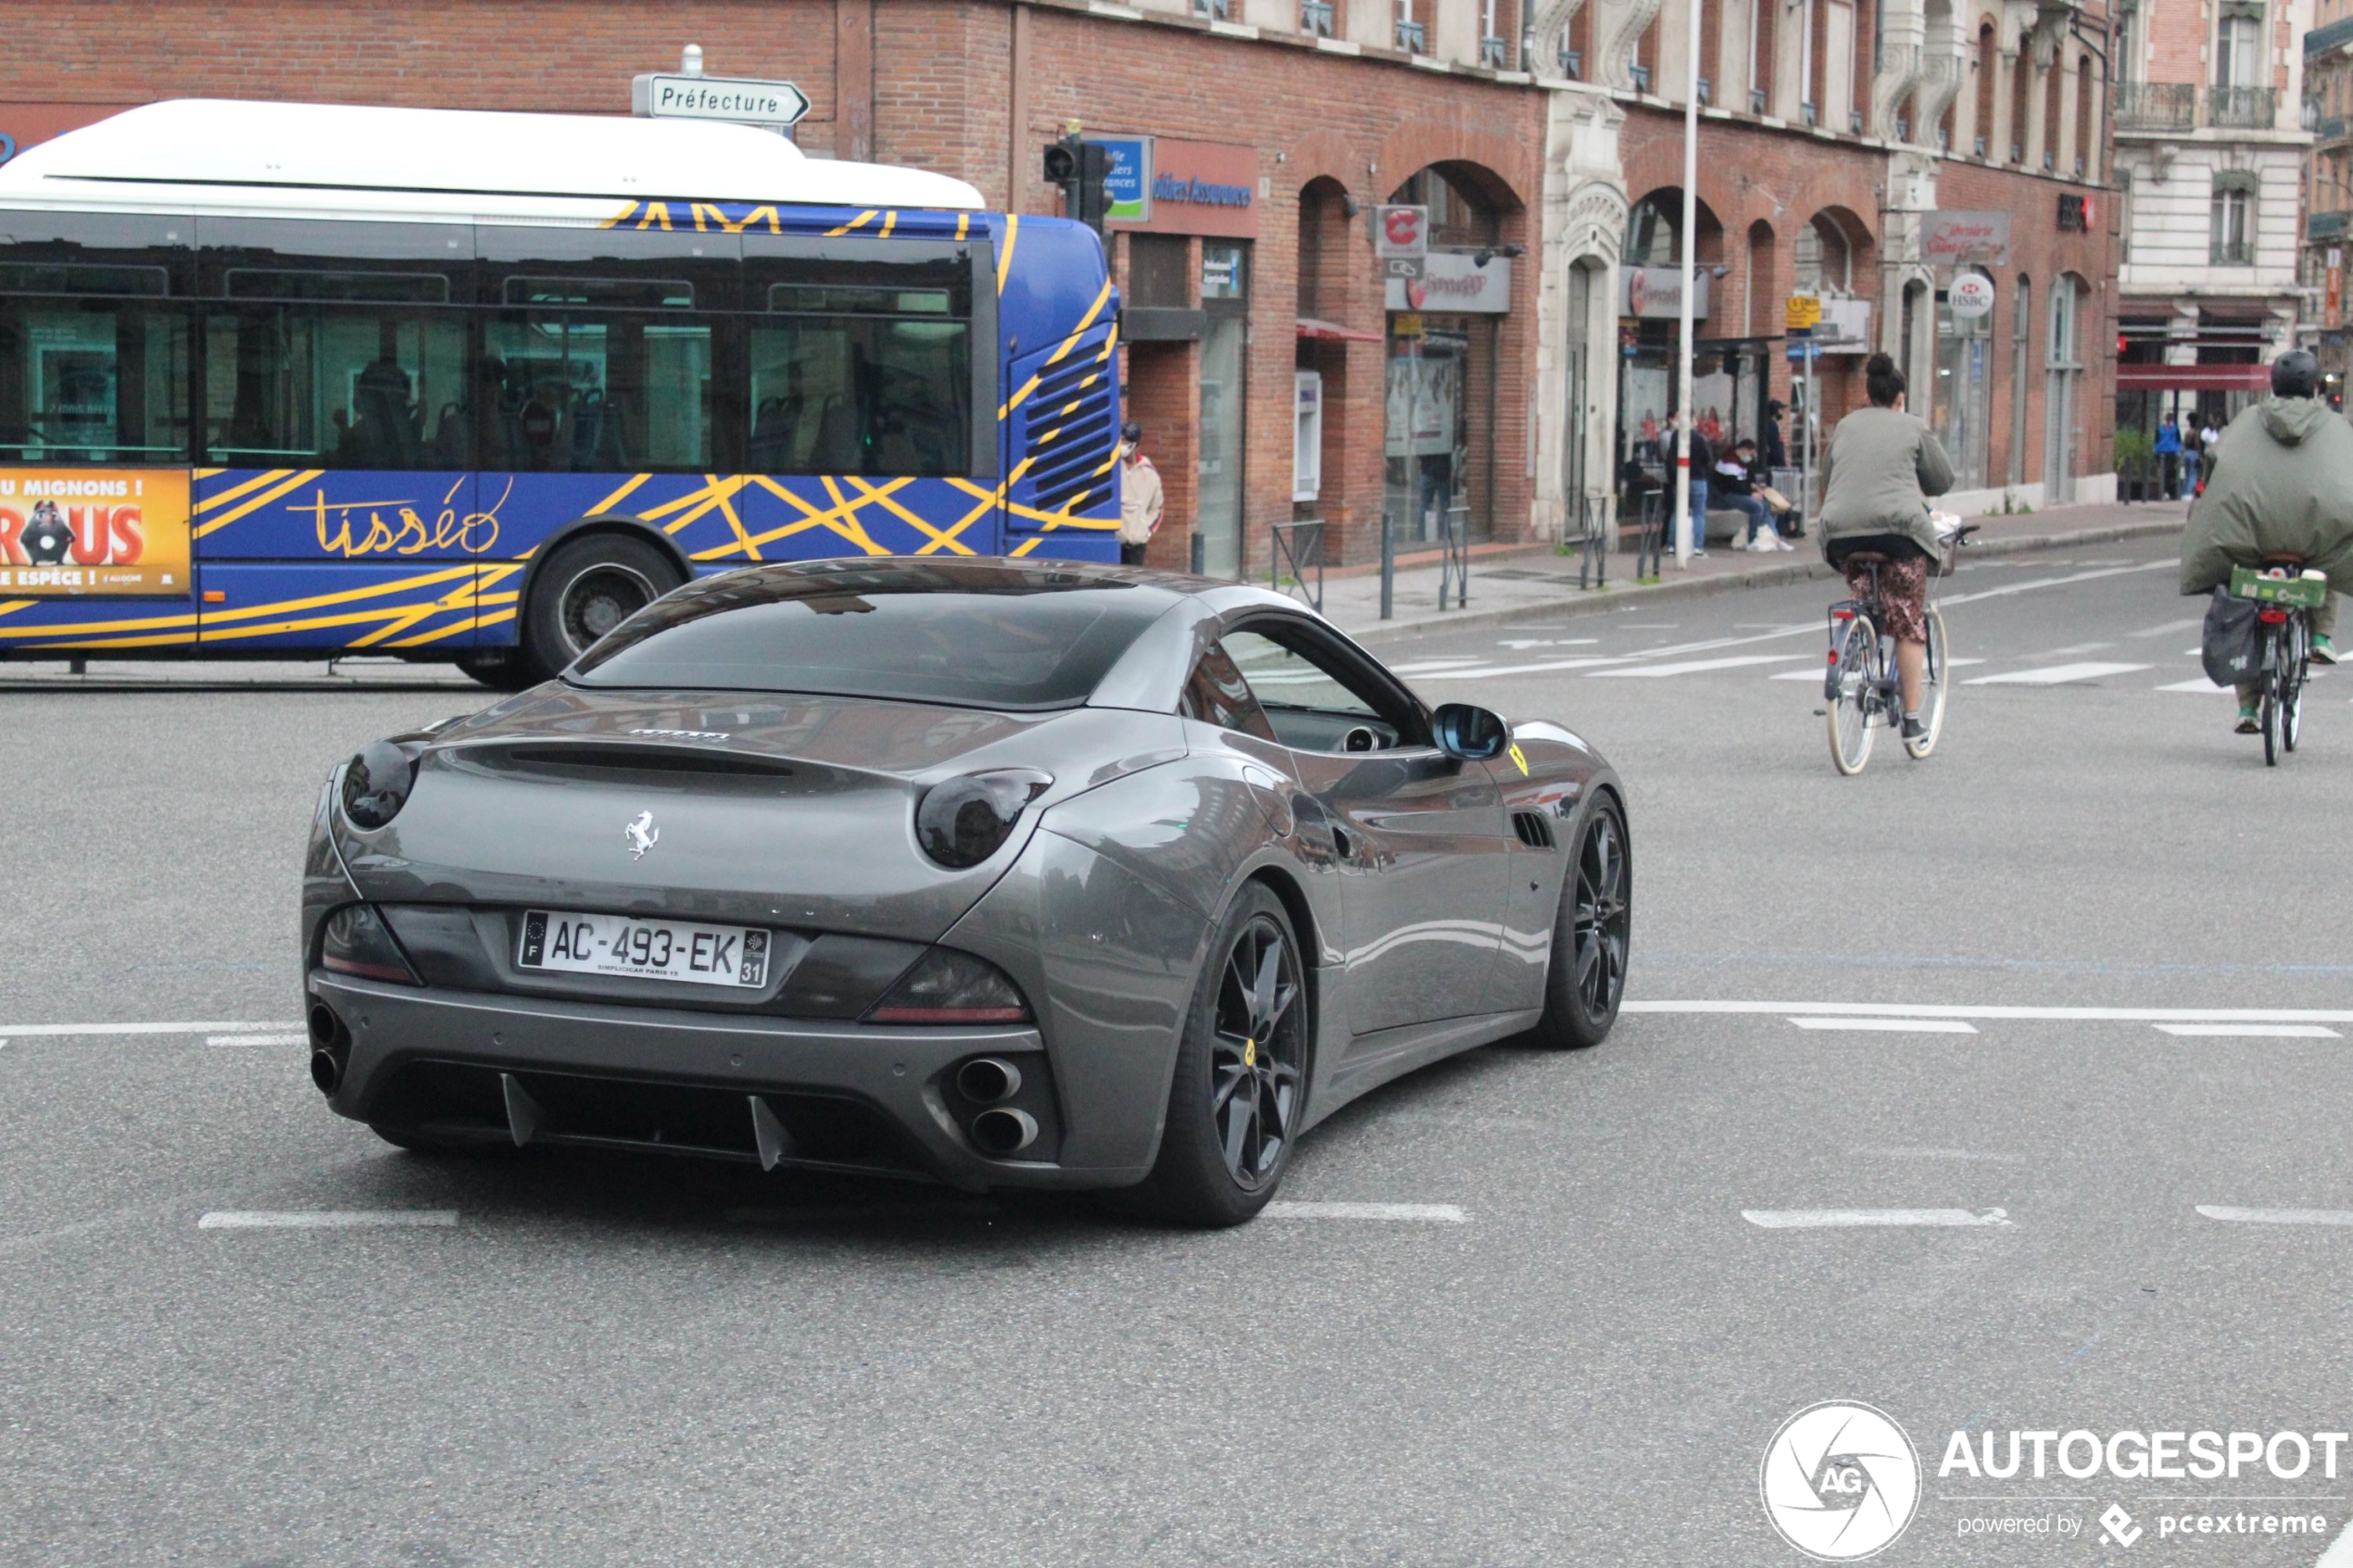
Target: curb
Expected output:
[1778,575]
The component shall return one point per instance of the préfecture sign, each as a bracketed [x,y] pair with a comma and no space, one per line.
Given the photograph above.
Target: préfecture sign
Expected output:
[678,97]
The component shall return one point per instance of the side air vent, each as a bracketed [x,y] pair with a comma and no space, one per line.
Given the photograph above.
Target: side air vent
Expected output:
[1533,829]
[1070,436]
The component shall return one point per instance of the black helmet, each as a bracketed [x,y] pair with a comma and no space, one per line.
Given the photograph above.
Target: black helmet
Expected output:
[2296,373]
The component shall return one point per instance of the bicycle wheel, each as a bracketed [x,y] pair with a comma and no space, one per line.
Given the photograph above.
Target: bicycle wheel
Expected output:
[1850,715]
[1931,688]
[2292,672]
[2273,651]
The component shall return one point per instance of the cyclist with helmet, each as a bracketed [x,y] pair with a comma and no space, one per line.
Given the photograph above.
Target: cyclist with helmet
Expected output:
[2280,486]
[1883,467]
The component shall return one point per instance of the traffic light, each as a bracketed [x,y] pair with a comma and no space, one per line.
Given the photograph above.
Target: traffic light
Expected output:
[1080,167]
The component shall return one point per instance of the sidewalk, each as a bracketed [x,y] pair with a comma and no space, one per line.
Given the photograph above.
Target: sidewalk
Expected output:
[1531,583]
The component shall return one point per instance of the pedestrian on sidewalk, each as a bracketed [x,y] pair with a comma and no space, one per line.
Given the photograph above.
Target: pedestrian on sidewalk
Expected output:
[1733,485]
[1703,461]
[2201,456]
[1776,452]
[1883,466]
[1140,497]
[2169,458]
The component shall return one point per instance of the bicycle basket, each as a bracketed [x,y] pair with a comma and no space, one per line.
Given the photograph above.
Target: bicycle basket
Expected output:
[2309,592]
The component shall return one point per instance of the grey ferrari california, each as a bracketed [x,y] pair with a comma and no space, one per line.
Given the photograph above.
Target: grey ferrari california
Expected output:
[995,872]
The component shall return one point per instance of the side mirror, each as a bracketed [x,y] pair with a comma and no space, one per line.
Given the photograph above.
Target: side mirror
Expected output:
[1472,733]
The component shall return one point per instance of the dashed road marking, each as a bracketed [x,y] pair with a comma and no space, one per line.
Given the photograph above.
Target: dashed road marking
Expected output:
[2171,627]
[1887,1025]
[2277,1216]
[1694,666]
[2042,1014]
[323,1218]
[2255,1031]
[1856,1219]
[62,1030]
[2054,674]
[1425,1213]
[2200,684]
[298,1039]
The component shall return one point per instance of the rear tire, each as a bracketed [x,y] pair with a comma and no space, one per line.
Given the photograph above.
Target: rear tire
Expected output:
[1850,714]
[1241,1084]
[2292,673]
[584,590]
[2274,677]
[1932,678]
[1586,979]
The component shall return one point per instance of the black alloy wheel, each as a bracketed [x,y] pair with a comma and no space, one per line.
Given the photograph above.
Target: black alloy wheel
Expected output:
[1241,1083]
[1591,938]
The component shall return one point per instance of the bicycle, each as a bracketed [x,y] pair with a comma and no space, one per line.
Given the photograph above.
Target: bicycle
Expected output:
[2285,595]
[1861,687]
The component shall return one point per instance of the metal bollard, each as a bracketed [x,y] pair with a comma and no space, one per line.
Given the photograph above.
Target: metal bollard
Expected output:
[1388,565]
[1198,556]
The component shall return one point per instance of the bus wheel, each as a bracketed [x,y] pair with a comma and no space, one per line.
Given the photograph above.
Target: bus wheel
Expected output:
[502,670]
[583,591]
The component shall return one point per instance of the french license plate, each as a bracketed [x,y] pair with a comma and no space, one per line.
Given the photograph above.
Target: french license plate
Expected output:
[643,950]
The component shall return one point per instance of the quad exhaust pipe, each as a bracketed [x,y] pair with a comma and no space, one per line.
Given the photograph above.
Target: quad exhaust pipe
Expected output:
[985,1080]
[330,1043]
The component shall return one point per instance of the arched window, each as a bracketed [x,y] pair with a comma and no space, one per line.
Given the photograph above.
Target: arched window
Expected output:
[1989,57]
[2087,87]
[2230,218]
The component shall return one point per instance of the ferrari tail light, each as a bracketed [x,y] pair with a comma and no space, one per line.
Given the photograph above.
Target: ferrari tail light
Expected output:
[962,822]
[355,941]
[947,987]
[377,782]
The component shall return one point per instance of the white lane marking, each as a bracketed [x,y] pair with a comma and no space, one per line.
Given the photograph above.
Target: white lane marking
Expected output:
[2171,627]
[1849,1218]
[1692,667]
[1884,1153]
[1515,644]
[256,1039]
[1423,666]
[1813,675]
[1483,670]
[323,1218]
[2065,1014]
[1428,1213]
[2340,1551]
[2054,674]
[2256,1030]
[52,1031]
[2200,684]
[2008,588]
[1889,1025]
[2079,647]
[2277,1216]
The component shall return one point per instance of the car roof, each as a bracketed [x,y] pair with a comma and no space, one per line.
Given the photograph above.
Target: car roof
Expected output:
[1014,576]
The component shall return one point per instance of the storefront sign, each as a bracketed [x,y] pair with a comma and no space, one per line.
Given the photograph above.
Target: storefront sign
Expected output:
[2334,316]
[673,96]
[1847,327]
[1455,285]
[1127,183]
[1958,238]
[117,532]
[1654,293]
[1970,296]
[1199,188]
[1801,311]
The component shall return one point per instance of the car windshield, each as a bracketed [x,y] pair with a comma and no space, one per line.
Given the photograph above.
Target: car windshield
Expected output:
[969,633]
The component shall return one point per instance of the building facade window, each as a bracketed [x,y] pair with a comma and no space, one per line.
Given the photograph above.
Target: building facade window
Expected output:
[1963,399]
[2232,220]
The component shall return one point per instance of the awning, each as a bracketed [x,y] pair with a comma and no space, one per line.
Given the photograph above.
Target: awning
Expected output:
[2193,377]
[1332,332]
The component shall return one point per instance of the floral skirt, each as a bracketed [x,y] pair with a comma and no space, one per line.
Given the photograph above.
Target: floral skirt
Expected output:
[1902,595]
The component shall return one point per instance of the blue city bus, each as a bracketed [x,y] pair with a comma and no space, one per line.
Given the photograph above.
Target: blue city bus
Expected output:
[298,380]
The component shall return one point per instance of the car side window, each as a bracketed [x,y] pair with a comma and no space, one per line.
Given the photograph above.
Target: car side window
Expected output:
[1218,694]
[1313,696]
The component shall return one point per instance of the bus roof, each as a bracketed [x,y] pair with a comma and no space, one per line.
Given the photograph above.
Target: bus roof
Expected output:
[214,153]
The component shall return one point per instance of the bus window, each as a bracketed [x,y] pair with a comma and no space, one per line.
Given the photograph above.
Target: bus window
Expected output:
[597,375]
[92,380]
[862,373]
[348,385]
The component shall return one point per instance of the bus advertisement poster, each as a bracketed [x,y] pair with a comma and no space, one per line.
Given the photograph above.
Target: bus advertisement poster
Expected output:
[111,532]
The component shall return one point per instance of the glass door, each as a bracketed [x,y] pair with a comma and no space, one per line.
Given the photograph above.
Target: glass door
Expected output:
[1224,299]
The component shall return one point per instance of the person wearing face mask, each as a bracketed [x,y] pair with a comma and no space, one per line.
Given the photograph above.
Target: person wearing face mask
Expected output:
[1140,497]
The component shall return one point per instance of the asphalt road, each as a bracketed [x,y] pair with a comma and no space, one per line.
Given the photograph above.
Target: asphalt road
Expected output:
[1622,1280]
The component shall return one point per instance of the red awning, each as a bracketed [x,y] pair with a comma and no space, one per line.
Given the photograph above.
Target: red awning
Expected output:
[2193,377]
[1332,332]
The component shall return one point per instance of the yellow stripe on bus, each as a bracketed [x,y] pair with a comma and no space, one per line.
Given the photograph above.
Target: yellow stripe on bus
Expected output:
[214,525]
[224,497]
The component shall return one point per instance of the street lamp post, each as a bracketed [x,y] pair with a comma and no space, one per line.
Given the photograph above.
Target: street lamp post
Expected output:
[1683,521]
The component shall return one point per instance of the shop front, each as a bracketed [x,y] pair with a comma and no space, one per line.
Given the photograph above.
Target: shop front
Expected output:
[1442,389]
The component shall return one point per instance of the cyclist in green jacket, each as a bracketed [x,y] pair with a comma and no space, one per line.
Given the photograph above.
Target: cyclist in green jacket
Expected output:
[2280,484]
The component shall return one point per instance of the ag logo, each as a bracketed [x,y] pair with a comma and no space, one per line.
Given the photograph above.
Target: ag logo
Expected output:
[1840,1481]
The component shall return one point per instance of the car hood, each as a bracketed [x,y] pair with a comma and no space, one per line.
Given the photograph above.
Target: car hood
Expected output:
[771,809]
